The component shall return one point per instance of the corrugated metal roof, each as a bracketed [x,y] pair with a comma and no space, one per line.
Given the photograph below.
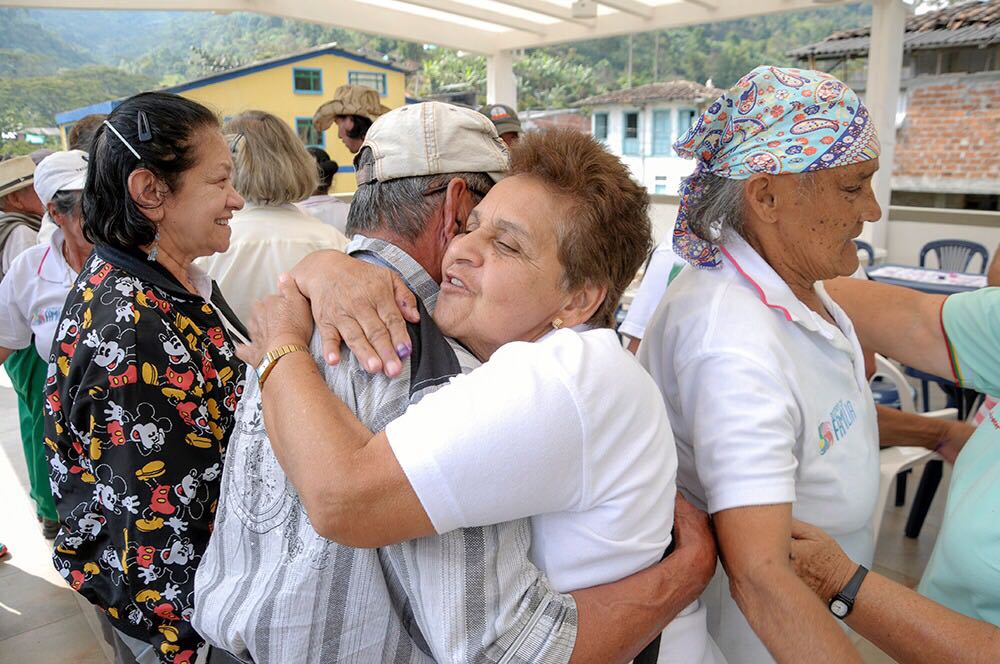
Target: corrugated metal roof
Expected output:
[974,23]
[679,90]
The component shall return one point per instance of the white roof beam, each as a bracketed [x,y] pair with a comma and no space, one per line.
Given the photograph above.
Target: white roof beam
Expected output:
[704,4]
[550,9]
[629,7]
[349,14]
[677,14]
[484,15]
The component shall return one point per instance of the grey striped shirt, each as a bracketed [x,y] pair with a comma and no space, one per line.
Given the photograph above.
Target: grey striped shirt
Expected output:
[270,589]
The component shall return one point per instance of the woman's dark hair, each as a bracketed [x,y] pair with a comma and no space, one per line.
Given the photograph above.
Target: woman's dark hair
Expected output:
[327,169]
[360,128]
[161,128]
[65,201]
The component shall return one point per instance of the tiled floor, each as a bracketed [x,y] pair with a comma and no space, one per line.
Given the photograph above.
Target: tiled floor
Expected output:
[42,621]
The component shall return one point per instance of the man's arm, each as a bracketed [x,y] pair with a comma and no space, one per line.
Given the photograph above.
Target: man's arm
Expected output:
[783,611]
[905,625]
[946,437]
[617,620]
[897,322]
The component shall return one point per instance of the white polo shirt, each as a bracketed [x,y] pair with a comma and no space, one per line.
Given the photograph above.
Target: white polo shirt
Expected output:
[664,265]
[265,241]
[769,404]
[570,431]
[32,296]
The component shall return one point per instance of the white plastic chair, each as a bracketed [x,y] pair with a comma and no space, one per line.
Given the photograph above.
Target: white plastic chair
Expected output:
[897,459]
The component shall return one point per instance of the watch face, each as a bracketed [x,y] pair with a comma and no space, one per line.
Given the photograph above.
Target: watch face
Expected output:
[839,608]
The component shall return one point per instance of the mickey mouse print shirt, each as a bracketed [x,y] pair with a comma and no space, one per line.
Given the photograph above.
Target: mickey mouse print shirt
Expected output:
[142,386]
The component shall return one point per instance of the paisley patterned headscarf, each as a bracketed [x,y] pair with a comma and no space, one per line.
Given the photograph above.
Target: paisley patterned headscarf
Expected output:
[772,121]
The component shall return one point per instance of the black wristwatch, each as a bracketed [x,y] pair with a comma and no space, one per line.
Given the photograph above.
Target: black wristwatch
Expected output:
[843,602]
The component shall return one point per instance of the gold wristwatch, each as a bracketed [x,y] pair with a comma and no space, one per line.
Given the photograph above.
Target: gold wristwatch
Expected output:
[272,357]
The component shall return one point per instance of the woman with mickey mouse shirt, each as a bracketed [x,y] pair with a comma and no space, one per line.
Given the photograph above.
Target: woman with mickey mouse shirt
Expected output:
[143,380]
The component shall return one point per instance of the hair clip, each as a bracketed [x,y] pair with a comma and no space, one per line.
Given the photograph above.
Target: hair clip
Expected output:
[122,139]
[142,125]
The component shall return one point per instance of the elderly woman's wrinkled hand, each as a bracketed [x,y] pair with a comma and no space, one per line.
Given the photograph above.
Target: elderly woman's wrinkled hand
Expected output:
[819,561]
[362,305]
[694,537]
[279,319]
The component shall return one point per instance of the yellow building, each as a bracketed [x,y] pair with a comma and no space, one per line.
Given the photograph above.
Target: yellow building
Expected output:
[291,87]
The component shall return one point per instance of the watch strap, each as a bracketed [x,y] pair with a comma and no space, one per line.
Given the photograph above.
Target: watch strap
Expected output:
[271,358]
[849,594]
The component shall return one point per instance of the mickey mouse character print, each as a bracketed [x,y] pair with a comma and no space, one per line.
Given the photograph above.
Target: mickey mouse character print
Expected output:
[142,388]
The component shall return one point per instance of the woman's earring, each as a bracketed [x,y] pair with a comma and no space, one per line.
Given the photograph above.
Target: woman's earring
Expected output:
[557,323]
[153,249]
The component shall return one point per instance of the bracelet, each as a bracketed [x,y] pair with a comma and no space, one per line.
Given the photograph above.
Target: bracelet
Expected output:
[271,358]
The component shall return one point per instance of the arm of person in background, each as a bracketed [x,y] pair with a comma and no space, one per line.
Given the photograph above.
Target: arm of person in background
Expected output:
[784,613]
[15,329]
[905,625]
[897,322]
[615,620]
[946,437]
[993,273]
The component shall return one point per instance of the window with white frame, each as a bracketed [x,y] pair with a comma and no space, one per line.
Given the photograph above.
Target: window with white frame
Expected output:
[630,133]
[601,126]
[369,79]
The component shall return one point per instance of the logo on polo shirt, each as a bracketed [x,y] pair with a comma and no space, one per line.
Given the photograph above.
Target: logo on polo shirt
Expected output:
[842,418]
[46,315]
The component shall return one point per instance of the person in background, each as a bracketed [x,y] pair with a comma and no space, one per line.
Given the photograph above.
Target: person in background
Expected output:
[269,235]
[20,219]
[20,209]
[505,119]
[353,109]
[81,136]
[661,268]
[762,374]
[328,209]
[956,615]
[143,378]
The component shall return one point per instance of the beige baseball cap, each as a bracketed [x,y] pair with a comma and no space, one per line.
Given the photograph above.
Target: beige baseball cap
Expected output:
[16,173]
[349,100]
[432,138]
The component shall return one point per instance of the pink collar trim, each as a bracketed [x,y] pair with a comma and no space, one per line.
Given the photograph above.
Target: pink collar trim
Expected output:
[760,291]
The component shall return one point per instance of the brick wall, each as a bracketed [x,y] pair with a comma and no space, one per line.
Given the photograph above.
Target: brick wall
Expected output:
[950,138]
[568,120]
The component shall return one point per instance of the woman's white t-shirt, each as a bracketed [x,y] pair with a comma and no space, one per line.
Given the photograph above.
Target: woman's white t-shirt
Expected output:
[770,404]
[32,296]
[569,431]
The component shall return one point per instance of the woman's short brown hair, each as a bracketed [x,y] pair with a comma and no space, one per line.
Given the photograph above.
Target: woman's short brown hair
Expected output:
[607,235]
[273,167]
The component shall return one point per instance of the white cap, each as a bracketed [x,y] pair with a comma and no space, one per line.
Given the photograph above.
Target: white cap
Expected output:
[60,171]
[431,138]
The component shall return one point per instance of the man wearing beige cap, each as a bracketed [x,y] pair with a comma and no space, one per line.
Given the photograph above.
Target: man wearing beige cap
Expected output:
[20,210]
[353,108]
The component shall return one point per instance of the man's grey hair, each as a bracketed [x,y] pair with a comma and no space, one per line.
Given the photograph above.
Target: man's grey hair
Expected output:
[66,202]
[400,206]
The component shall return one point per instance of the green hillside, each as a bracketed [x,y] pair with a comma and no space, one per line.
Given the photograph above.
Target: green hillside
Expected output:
[56,60]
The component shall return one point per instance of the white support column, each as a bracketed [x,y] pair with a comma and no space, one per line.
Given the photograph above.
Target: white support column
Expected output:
[885,63]
[501,88]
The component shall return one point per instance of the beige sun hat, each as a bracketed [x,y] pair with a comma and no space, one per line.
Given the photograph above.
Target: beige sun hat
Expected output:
[431,138]
[16,173]
[349,100]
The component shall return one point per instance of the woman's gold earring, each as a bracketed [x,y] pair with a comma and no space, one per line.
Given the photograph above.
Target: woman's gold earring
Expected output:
[557,323]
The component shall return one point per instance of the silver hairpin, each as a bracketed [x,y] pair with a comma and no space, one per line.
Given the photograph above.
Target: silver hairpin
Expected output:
[122,139]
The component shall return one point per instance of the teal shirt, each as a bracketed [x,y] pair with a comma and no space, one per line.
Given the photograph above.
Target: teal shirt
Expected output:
[964,570]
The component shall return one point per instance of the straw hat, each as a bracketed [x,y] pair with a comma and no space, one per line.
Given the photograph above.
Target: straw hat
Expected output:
[15,174]
[349,100]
